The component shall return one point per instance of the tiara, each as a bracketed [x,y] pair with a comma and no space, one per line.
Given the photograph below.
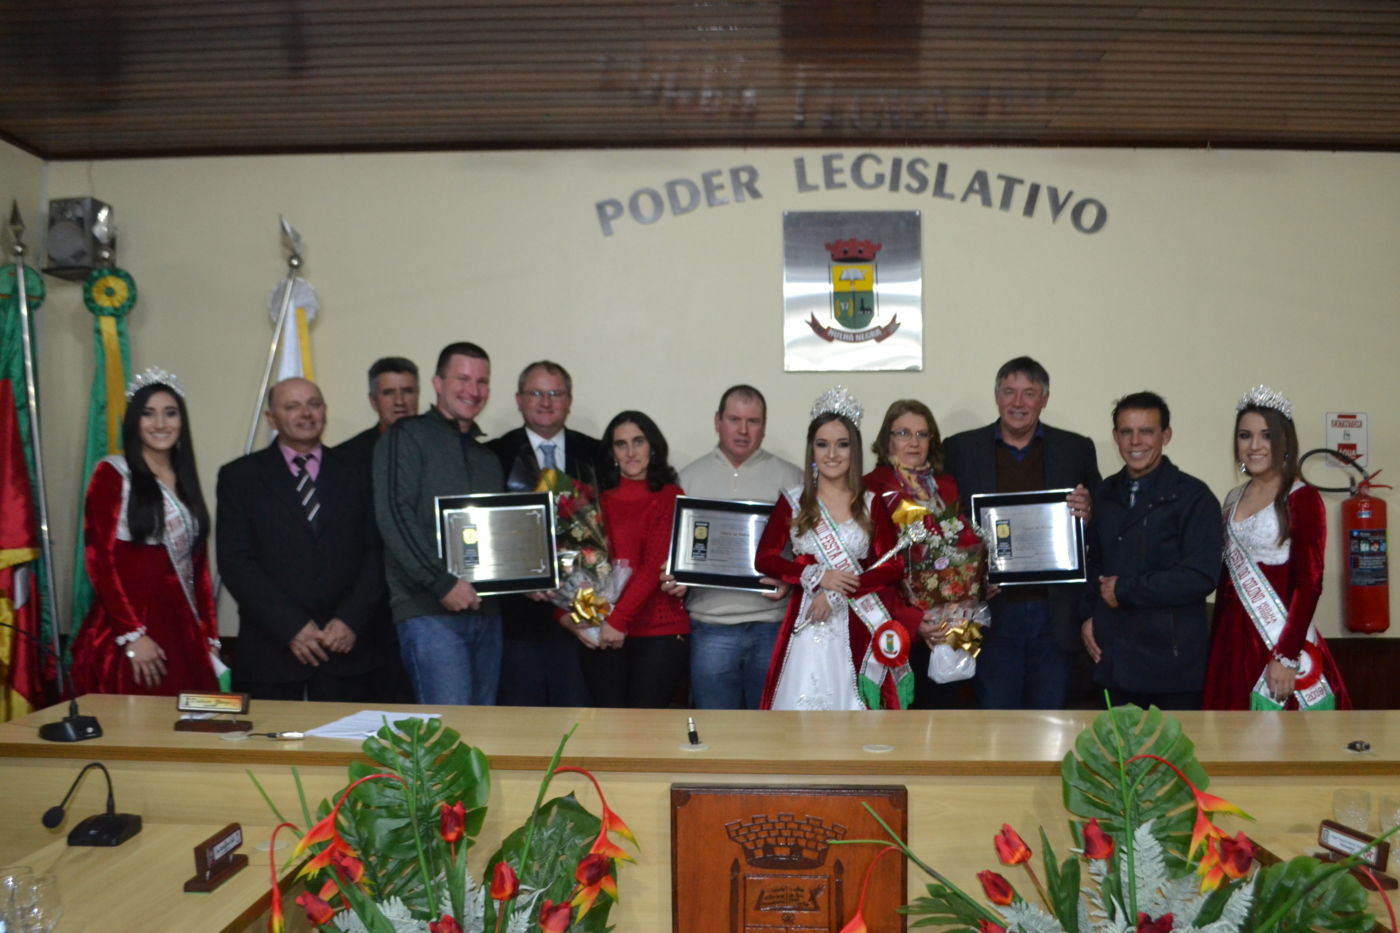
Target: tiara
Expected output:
[838,400]
[1261,396]
[154,375]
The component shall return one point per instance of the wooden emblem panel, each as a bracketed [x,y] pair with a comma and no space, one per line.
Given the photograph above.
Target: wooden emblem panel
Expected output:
[759,858]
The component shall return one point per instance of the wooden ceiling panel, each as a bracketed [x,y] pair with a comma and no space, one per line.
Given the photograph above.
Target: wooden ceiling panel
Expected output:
[113,78]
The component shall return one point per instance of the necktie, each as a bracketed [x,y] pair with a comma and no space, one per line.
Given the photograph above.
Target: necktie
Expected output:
[548,449]
[1132,493]
[306,490]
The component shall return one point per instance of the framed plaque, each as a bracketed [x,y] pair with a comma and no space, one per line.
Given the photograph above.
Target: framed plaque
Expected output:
[499,542]
[1032,537]
[760,858]
[713,543]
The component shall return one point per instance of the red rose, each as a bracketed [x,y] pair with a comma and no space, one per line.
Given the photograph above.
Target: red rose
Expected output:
[567,506]
[453,820]
[448,924]
[1162,924]
[967,537]
[555,918]
[504,882]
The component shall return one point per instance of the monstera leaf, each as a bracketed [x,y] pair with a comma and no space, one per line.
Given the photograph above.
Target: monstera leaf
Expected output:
[1096,786]
[1305,894]
[563,834]
[378,819]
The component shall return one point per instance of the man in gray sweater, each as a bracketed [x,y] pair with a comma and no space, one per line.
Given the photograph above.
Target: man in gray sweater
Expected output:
[733,631]
[449,637]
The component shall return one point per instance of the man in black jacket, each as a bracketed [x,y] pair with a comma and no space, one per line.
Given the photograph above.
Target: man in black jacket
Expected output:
[1154,558]
[539,660]
[298,550]
[1032,645]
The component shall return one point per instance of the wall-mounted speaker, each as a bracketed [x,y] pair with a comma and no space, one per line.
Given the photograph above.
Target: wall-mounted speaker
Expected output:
[82,236]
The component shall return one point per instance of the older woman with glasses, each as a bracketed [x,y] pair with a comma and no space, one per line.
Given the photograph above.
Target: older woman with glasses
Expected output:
[909,451]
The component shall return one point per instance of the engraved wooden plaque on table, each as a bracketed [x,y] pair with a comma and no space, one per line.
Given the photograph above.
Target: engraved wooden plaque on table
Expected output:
[759,859]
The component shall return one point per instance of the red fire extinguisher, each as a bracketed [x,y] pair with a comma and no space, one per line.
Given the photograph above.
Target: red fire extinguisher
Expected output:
[1367,590]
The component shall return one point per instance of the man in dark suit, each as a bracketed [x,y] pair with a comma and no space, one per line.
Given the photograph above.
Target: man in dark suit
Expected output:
[298,549]
[393,394]
[539,659]
[1033,648]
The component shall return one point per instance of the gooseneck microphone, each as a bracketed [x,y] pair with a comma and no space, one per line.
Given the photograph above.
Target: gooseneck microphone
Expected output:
[73,727]
[104,829]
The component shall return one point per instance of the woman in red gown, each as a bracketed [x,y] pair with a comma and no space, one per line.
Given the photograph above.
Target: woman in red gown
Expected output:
[152,628]
[1265,652]
[844,643]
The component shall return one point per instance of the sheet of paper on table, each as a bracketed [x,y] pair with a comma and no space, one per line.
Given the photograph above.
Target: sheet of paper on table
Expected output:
[362,725]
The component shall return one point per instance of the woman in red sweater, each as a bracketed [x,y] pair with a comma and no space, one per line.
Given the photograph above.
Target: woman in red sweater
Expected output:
[643,648]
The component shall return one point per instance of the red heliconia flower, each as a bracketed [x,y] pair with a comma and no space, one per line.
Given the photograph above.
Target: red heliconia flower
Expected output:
[1011,848]
[348,867]
[612,823]
[1236,855]
[857,922]
[594,875]
[1146,924]
[453,822]
[505,884]
[448,924]
[318,912]
[325,830]
[987,926]
[997,888]
[555,918]
[1205,803]
[276,919]
[1210,869]
[1097,843]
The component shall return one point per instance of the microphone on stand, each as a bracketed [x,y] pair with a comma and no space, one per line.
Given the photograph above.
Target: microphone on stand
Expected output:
[71,728]
[104,829]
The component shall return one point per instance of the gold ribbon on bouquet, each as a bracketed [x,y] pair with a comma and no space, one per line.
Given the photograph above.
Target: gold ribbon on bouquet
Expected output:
[965,636]
[589,608]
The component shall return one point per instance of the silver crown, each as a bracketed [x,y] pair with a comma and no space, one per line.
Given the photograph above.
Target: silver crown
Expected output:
[154,375]
[838,399]
[1261,396]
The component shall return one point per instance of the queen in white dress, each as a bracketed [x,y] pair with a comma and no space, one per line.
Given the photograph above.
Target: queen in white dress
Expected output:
[839,647]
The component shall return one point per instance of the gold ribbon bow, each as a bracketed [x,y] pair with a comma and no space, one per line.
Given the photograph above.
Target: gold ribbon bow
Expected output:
[549,481]
[589,608]
[908,512]
[965,636]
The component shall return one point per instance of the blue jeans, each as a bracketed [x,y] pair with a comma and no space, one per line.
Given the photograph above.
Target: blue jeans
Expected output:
[729,663]
[452,659]
[1022,666]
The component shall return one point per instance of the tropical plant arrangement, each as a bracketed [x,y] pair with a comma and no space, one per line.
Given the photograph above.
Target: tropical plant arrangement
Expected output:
[389,855]
[1148,856]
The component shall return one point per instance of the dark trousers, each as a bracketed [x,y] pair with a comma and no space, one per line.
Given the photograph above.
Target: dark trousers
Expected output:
[320,688]
[1190,699]
[1022,665]
[646,673]
[543,670]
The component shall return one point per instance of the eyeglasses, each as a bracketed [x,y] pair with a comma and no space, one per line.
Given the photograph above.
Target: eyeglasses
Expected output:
[543,393]
[904,435]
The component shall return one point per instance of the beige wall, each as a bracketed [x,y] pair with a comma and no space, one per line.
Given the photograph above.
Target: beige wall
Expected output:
[1216,270]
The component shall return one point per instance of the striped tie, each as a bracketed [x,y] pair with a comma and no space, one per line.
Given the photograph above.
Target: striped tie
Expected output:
[306,490]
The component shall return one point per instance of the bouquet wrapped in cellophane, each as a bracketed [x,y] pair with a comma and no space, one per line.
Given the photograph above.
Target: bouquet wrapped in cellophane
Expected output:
[589,582]
[945,574]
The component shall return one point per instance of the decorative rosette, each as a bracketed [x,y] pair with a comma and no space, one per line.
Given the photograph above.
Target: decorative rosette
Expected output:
[890,644]
[110,292]
[33,287]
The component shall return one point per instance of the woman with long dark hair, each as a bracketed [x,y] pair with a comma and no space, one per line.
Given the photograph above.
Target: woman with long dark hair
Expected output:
[839,647]
[1265,652]
[152,628]
[643,650]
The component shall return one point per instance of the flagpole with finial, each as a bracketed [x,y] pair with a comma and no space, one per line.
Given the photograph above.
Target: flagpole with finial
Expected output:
[291,240]
[17,248]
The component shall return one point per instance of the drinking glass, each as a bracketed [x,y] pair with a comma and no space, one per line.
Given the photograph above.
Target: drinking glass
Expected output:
[1389,811]
[9,879]
[1352,808]
[37,905]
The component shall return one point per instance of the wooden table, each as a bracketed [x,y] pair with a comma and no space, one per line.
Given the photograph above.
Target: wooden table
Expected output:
[967,772]
[139,884]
